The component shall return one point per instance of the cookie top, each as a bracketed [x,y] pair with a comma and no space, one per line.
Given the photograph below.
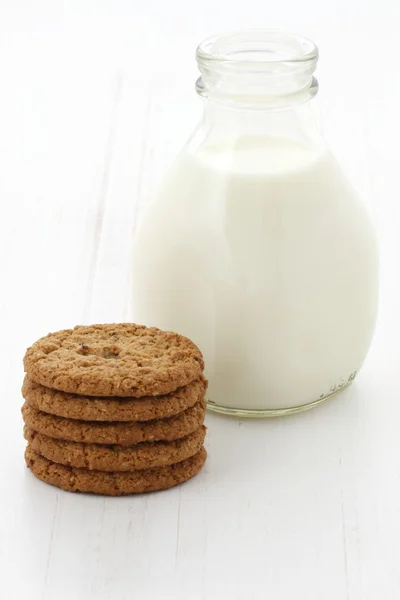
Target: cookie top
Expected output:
[114,360]
[148,455]
[92,408]
[126,434]
[113,484]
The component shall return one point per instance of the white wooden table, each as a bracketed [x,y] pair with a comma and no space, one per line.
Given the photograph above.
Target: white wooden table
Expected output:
[95,100]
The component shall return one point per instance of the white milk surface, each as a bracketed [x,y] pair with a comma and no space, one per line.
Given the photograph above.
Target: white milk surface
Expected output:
[261,252]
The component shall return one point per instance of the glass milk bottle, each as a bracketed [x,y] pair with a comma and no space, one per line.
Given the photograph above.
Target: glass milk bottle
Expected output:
[256,246]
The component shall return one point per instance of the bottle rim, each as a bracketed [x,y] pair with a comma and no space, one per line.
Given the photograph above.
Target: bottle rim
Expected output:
[257,47]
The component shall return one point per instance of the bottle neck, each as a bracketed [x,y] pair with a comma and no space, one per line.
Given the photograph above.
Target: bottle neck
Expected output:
[262,70]
[298,123]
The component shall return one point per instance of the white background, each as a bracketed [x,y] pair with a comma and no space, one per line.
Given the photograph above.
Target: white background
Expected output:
[96,98]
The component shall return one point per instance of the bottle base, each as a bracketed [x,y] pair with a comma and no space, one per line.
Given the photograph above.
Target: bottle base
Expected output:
[272,412]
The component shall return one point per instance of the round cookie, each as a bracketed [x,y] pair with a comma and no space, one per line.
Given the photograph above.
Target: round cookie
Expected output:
[126,434]
[113,484]
[90,408]
[148,455]
[114,360]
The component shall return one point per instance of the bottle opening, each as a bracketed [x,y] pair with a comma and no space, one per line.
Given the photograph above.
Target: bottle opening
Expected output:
[257,66]
[255,46]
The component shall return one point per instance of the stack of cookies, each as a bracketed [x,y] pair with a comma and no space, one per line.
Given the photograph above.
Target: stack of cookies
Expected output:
[114,409]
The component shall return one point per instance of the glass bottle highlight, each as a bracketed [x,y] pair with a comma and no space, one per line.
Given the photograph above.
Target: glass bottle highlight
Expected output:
[256,246]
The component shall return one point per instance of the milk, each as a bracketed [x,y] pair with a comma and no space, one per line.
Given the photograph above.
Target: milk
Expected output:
[260,251]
